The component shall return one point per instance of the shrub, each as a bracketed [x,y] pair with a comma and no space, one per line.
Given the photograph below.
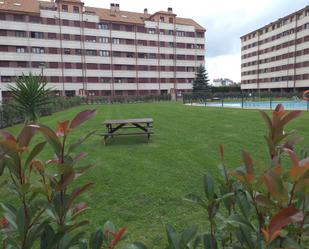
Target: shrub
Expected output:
[262,210]
[30,94]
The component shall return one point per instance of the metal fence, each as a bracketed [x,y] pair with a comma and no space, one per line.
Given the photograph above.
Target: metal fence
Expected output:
[266,100]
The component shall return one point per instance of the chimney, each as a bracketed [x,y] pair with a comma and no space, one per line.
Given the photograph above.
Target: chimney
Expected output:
[145,11]
[170,10]
[113,8]
[117,7]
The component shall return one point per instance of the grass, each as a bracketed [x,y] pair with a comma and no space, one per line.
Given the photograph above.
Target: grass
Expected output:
[142,185]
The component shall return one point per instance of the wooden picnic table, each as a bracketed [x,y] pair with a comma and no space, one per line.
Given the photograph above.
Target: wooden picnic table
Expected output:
[144,125]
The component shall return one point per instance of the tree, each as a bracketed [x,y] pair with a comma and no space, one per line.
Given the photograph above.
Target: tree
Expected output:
[201,82]
[30,95]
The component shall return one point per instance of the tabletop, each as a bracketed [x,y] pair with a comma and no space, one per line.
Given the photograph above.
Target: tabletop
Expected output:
[126,121]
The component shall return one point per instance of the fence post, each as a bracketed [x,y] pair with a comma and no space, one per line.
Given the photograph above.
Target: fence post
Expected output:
[242,101]
[307,105]
[222,100]
[270,101]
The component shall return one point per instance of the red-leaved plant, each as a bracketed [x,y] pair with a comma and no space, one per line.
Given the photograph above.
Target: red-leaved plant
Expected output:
[263,210]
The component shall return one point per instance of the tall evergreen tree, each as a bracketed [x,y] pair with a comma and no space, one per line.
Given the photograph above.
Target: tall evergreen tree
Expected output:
[201,82]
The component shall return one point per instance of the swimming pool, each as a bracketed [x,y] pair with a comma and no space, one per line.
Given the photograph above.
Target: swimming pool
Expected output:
[288,105]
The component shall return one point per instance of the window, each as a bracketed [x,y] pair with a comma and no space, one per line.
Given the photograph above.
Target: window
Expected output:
[90,38]
[20,49]
[22,64]
[78,51]
[151,31]
[66,37]
[19,18]
[35,19]
[171,44]
[75,9]
[103,26]
[67,51]
[37,35]
[65,23]
[38,50]
[180,33]
[91,52]
[6,79]
[116,41]
[105,80]
[161,18]
[171,20]
[53,50]
[65,8]
[171,32]
[103,39]
[19,33]
[104,53]
[52,36]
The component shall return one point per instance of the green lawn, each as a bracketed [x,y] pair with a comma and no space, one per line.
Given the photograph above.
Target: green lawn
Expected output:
[141,185]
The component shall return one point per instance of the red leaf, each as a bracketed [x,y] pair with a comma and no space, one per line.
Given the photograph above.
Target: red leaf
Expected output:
[249,166]
[117,238]
[221,149]
[8,136]
[62,128]
[283,218]
[77,192]
[279,108]
[82,117]
[288,117]
[50,136]
[3,222]
[79,208]
[275,186]
[80,156]
[295,162]
[25,136]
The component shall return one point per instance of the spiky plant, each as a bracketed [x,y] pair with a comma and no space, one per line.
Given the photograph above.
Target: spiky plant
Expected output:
[30,94]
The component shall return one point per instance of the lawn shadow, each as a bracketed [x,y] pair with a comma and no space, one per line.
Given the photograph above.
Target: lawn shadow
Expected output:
[127,140]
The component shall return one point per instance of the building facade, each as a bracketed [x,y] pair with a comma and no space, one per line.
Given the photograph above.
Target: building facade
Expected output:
[276,56]
[83,50]
[223,82]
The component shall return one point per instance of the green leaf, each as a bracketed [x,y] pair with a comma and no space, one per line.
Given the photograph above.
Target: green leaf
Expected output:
[245,237]
[136,245]
[21,222]
[243,203]
[210,242]
[79,142]
[187,236]
[195,199]
[96,239]
[173,238]
[209,187]
[35,151]
[47,238]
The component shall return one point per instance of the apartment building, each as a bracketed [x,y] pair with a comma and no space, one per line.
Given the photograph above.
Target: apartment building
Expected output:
[94,51]
[276,56]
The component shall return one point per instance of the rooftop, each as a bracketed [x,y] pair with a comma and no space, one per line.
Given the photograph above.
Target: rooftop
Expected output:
[33,6]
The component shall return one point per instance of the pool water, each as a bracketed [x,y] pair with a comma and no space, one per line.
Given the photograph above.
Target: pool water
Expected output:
[288,105]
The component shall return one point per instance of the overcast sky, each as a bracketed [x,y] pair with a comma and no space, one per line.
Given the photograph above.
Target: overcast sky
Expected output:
[225,21]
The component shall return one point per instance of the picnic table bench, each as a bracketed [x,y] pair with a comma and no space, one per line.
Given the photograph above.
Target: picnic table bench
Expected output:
[144,125]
